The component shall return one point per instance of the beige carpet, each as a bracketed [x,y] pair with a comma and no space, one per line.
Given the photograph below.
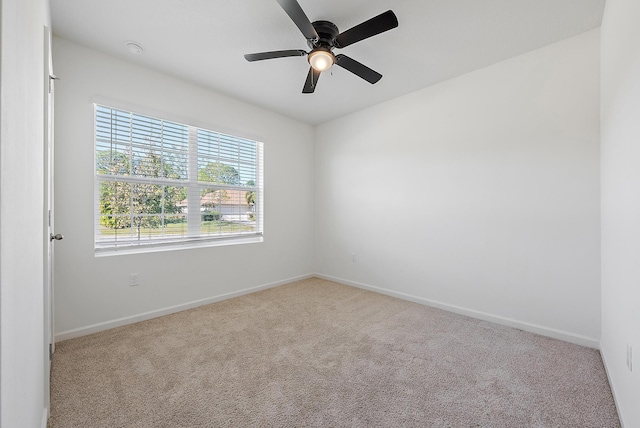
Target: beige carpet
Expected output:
[316,353]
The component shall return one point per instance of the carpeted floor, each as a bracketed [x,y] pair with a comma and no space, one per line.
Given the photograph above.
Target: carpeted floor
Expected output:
[316,353]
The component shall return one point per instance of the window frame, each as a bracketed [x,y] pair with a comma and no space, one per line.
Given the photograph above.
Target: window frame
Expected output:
[193,237]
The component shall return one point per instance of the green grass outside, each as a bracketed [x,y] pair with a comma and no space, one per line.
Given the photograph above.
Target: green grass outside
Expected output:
[206,227]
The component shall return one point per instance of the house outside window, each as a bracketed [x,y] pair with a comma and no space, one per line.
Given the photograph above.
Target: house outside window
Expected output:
[160,183]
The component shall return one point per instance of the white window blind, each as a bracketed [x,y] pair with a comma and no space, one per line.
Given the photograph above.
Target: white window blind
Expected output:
[162,183]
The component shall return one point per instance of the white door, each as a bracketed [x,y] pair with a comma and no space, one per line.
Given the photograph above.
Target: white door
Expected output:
[49,344]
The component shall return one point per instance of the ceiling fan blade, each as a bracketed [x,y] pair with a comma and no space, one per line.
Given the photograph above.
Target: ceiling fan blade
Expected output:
[376,25]
[311,82]
[358,69]
[275,54]
[297,15]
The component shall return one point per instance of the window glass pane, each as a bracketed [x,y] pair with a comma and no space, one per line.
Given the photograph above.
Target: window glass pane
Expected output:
[136,211]
[132,144]
[227,212]
[224,159]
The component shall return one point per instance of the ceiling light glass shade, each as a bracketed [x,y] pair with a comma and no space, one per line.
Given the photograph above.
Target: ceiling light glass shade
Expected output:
[321,59]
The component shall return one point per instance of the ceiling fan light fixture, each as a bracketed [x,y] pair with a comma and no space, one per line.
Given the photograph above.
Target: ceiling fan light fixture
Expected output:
[324,36]
[321,59]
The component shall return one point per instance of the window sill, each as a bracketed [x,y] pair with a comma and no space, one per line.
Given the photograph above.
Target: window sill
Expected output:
[173,246]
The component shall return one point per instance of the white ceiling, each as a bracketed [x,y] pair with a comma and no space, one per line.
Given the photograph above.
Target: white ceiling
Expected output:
[203,41]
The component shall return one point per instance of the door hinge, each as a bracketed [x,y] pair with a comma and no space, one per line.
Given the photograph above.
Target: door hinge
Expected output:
[50,351]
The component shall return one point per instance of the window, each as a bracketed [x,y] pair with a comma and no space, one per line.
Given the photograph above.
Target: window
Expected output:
[162,183]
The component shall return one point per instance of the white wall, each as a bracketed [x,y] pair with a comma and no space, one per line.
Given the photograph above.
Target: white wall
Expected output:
[22,354]
[92,290]
[620,165]
[481,193]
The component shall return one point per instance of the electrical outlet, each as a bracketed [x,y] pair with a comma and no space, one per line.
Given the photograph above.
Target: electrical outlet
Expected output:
[630,357]
[134,279]
[353,257]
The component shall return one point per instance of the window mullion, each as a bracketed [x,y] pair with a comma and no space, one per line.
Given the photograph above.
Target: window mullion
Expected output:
[193,191]
[259,204]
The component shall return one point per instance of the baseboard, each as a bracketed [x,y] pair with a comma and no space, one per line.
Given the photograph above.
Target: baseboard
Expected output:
[611,385]
[95,328]
[532,328]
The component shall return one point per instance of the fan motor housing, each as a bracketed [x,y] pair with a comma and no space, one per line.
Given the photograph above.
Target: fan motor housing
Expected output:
[327,33]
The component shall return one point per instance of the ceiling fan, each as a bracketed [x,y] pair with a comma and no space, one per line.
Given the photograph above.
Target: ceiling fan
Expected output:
[322,37]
